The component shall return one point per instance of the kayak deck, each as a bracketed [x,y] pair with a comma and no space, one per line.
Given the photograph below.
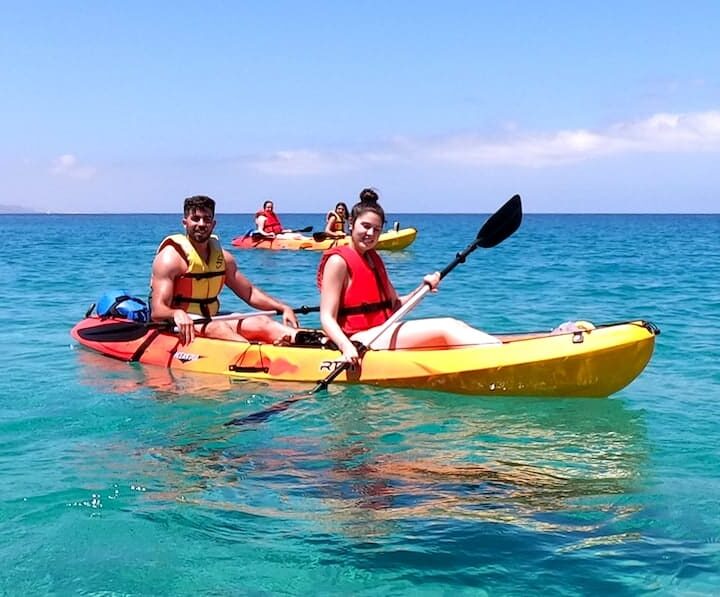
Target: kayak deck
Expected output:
[596,362]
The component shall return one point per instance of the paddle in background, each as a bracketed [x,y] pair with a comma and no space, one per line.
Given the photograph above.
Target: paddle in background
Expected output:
[499,226]
[321,236]
[259,236]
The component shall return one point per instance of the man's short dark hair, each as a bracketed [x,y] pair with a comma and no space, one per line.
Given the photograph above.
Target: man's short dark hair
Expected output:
[199,202]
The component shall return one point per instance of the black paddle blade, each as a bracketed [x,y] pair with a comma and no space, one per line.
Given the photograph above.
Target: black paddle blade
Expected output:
[318,237]
[504,222]
[263,415]
[120,331]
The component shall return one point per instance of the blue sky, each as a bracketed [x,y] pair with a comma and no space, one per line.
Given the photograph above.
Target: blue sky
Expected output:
[444,107]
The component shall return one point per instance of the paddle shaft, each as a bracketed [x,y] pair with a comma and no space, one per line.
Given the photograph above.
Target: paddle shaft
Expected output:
[199,319]
[415,297]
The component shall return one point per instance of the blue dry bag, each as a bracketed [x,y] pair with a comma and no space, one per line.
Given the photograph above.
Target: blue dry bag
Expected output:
[120,303]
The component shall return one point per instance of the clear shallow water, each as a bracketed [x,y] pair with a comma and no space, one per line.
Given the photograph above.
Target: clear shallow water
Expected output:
[121,479]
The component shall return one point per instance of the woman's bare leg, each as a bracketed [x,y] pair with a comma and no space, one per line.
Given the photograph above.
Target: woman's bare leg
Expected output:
[438,332]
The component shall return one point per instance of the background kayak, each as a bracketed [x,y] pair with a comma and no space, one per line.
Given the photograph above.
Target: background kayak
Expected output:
[392,240]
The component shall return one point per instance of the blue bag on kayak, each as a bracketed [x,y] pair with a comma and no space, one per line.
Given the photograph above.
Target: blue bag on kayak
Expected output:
[120,303]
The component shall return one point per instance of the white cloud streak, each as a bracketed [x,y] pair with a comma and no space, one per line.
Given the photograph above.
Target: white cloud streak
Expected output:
[661,133]
[67,165]
[302,162]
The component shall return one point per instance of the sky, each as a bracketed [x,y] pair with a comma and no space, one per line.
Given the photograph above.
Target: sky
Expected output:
[444,107]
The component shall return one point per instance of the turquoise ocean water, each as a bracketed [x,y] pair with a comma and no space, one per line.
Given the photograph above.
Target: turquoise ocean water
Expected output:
[120,479]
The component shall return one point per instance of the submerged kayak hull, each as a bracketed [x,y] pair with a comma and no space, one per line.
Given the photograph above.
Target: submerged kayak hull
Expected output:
[596,363]
[392,240]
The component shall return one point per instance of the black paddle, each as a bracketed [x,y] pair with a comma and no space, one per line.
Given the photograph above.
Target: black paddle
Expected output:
[128,331]
[503,223]
[321,236]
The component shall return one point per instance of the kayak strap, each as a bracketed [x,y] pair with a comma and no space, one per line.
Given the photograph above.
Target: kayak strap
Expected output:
[144,346]
[651,327]
[367,308]
[255,367]
[643,323]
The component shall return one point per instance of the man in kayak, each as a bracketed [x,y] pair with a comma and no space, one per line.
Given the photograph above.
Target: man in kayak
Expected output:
[268,224]
[357,297]
[190,270]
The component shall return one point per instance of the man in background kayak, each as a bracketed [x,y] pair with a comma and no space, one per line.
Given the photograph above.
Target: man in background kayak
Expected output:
[190,270]
[268,223]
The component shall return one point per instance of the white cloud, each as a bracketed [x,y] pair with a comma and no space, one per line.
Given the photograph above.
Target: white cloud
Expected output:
[68,165]
[660,133]
[307,162]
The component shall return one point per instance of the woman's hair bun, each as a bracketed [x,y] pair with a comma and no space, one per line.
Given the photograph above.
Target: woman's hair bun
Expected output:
[369,196]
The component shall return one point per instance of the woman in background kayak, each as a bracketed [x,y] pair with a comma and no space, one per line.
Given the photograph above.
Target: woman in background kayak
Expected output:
[336,220]
[268,223]
[357,297]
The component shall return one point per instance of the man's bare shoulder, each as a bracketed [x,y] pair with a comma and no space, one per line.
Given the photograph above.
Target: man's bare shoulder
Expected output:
[168,261]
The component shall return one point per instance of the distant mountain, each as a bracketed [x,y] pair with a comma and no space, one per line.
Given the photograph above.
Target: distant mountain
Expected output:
[15,209]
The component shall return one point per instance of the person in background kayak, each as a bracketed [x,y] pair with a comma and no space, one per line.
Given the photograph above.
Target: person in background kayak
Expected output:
[268,223]
[190,270]
[336,220]
[357,297]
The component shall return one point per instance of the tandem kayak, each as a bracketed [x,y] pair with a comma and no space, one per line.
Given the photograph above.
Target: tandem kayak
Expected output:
[577,360]
[392,240]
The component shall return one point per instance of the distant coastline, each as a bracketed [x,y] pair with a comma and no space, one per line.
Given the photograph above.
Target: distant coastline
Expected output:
[16,209]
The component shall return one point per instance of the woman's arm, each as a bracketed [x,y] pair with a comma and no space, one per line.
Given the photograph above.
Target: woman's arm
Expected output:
[334,277]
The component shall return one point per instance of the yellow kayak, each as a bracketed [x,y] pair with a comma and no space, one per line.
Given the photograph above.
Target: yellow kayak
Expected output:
[392,240]
[578,362]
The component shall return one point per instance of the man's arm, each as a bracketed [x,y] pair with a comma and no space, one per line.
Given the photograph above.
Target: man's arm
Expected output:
[167,266]
[252,295]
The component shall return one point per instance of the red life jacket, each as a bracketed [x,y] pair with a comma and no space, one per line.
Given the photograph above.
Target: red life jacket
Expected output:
[272,222]
[366,301]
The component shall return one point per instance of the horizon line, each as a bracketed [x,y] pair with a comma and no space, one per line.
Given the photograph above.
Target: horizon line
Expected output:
[399,213]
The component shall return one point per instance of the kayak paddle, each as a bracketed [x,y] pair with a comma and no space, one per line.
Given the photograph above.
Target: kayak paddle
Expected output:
[319,237]
[260,236]
[127,331]
[502,224]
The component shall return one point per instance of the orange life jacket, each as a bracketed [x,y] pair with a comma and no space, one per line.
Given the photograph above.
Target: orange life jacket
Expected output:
[366,301]
[196,291]
[338,224]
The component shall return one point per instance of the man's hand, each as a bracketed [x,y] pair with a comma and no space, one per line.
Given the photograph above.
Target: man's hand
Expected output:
[185,326]
[289,317]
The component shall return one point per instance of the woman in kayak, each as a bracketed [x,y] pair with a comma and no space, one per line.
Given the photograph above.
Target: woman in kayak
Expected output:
[336,220]
[357,297]
[268,223]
